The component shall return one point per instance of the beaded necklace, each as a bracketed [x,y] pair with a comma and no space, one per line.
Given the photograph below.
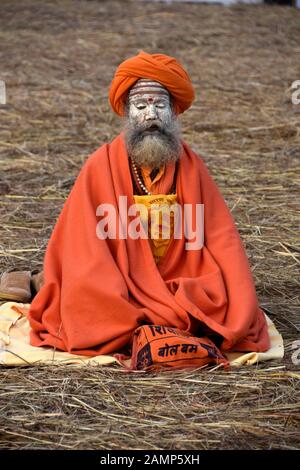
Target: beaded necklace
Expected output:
[140,182]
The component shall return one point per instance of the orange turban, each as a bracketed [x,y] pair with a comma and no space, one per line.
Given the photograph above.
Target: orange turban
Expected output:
[159,67]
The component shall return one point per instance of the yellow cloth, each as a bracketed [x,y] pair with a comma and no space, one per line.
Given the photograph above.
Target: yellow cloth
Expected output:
[160,221]
[15,349]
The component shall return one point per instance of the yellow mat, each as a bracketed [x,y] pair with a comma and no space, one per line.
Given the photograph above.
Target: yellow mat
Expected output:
[15,349]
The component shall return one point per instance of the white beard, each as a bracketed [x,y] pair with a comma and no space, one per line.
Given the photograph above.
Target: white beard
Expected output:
[153,150]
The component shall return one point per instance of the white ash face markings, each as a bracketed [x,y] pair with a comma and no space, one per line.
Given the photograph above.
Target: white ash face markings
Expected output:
[148,101]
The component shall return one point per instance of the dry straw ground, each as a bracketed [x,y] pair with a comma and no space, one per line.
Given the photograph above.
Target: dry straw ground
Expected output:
[57,59]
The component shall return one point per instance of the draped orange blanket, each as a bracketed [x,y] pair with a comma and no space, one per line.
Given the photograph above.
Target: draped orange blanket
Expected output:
[97,292]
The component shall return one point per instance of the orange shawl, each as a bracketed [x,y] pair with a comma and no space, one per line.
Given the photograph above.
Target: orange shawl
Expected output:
[97,292]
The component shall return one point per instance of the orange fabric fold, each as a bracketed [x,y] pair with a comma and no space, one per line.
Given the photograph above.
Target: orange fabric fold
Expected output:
[163,181]
[159,67]
[97,292]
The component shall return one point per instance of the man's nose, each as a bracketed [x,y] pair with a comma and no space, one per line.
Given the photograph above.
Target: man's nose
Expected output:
[151,113]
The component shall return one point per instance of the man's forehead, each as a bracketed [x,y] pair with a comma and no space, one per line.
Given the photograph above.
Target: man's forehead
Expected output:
[148,89]
[149,98]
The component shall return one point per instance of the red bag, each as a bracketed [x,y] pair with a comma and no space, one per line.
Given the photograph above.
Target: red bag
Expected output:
[160,346]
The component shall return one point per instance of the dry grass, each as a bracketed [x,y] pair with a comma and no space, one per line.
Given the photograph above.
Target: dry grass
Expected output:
[107,409]
[57,59]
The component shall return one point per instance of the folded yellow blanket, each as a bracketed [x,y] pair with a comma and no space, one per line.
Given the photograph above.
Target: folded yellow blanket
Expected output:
[15,349]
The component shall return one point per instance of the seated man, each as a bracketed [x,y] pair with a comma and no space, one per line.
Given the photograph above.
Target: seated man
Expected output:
[107,271]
